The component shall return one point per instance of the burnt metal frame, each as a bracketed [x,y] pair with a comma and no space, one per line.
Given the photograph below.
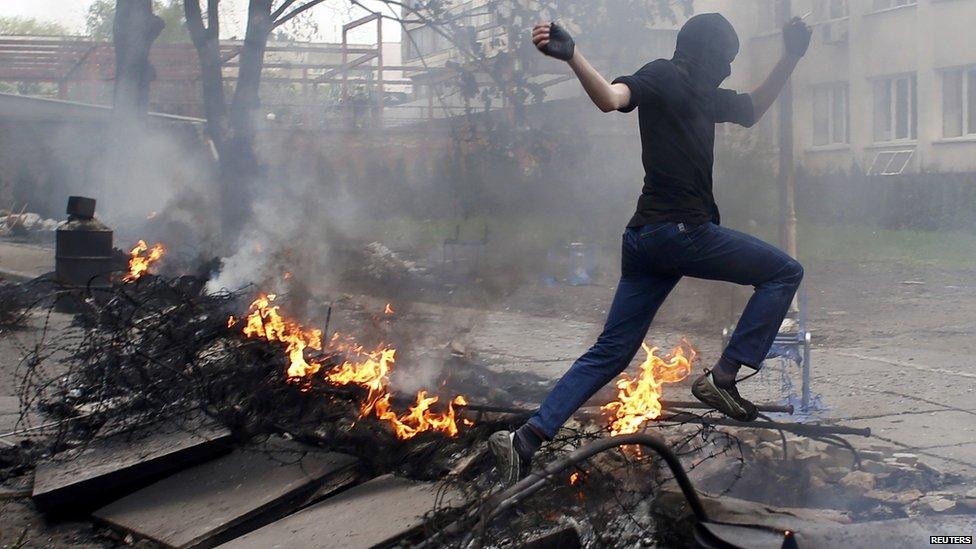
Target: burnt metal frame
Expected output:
[801,340]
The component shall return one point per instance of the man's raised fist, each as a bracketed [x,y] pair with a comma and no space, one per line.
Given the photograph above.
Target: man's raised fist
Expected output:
[554,41]
[796,37]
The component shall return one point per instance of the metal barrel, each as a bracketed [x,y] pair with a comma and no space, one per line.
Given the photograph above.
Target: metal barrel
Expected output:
[83,247]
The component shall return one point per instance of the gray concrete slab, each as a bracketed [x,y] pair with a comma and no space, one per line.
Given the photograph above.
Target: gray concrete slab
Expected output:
[371,514]
[83,479]
[216,501]
[11,421]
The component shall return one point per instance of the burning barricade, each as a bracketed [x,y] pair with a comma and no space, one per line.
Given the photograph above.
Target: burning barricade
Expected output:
[165,349]
[367,369]
[141,258]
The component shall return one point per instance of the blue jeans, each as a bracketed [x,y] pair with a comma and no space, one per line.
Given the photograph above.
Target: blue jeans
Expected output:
[654,259]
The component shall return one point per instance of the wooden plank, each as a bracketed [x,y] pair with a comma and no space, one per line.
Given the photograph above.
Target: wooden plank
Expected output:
[86,478]
[377,512]
[219,500]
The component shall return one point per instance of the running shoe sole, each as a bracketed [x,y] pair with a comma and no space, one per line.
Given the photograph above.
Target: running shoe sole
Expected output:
[509,464]
[723,400]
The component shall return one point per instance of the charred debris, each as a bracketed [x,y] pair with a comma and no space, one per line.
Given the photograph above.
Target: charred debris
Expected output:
[159,362]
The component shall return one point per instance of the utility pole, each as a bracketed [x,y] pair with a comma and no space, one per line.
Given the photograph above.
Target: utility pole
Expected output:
[787,171]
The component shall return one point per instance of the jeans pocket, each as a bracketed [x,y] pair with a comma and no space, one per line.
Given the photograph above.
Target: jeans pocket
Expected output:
[652,229]
[693,234]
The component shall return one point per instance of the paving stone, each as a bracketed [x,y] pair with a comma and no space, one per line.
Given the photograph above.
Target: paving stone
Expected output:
[83,479]
[216,501]
[377,512]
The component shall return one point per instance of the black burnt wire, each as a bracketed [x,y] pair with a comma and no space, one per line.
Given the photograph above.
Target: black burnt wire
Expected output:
[162,348]
[612,504]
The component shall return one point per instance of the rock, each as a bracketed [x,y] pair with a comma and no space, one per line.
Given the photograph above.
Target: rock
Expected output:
[906,458]
[797,445]
[922,466]
[836,456]
[874,467]
[768,435]
[937,504]
[769,450]
[458,348]
[806,458]
[834,474]
[871,454]
[896,498]
[858,480]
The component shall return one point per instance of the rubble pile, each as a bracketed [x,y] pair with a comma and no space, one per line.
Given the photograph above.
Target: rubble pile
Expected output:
[20,224]
[164,348]
[870,482]
[162,358]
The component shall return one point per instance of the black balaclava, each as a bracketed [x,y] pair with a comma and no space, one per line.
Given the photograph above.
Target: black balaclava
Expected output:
[707,44]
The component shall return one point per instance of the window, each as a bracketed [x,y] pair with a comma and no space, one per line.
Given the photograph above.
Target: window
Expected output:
[826,10]
[891,162]
[959,102]
[894,108]
[887,4]
[837,9]
[830,114]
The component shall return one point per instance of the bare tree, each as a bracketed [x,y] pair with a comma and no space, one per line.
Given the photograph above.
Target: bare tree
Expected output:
[135,29]
[231,125]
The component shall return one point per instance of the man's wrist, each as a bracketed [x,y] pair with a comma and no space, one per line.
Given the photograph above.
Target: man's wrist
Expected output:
[576,59]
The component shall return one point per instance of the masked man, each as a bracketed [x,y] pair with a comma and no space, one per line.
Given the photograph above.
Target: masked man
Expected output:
[675,231]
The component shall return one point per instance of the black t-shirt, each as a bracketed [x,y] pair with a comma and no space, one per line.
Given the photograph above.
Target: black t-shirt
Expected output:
[677,128]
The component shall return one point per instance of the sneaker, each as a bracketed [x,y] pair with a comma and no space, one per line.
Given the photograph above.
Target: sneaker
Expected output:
[509,462]
[727,401]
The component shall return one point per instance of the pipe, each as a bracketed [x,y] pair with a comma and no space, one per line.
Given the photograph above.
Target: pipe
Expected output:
[531,484]
[797,428]
[593,410]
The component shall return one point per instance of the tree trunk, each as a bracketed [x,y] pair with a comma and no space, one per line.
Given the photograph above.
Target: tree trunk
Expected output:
[206,39]
[239,165]
[232,131]
[134,30]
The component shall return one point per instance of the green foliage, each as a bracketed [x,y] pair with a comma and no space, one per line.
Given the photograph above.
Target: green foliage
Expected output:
[27,26]
[101,16]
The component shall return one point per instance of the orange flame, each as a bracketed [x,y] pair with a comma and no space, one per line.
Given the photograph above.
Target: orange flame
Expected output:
[266,322]
[140,260]
[639,398]
[367,369]
[389,309]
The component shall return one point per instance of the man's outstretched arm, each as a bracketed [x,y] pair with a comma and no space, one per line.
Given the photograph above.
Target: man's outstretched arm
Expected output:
[796,39]
[554,41]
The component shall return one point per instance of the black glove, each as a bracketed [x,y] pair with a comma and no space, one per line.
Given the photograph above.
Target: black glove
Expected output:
[796,37]
[561,45]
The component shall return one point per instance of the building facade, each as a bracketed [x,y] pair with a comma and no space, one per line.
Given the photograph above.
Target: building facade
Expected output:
[888,87]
